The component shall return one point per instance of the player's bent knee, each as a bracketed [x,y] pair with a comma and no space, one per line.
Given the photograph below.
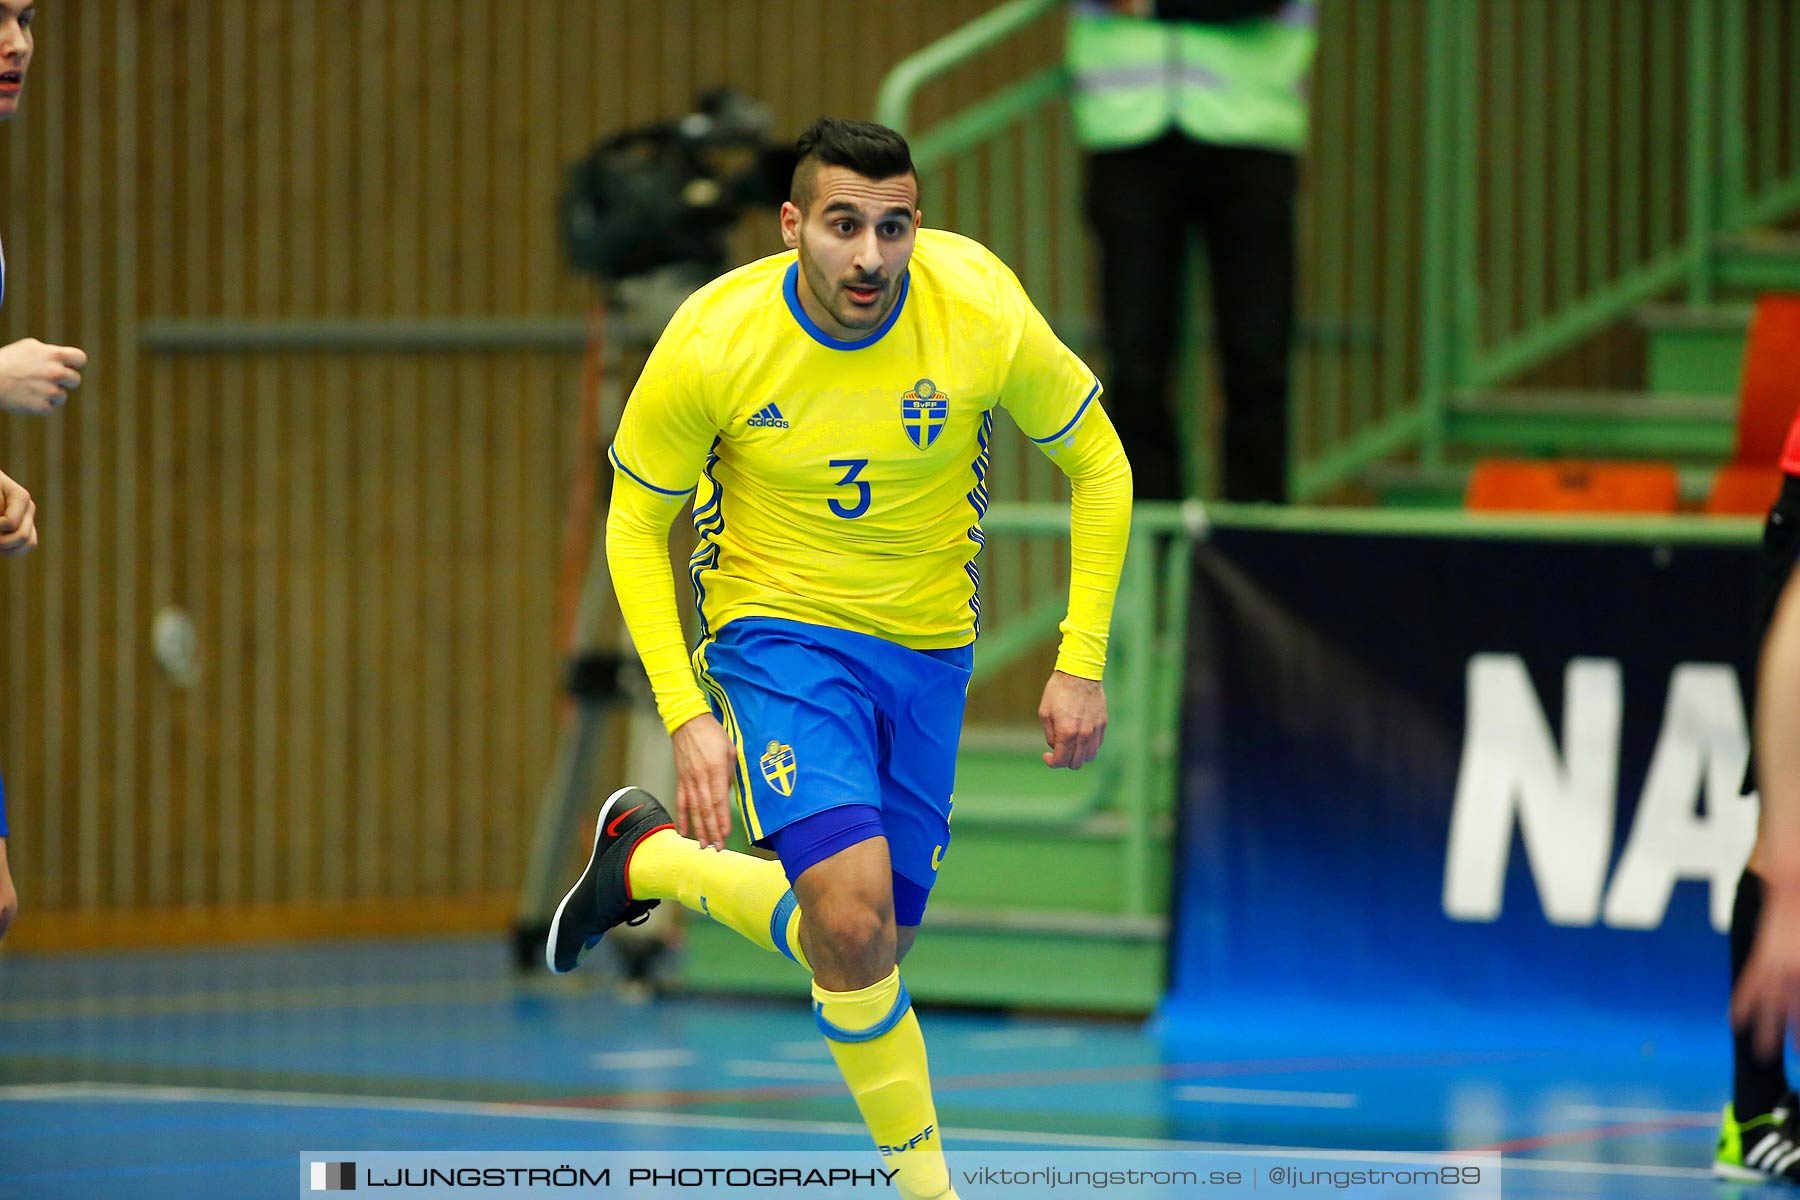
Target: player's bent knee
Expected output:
[851,929]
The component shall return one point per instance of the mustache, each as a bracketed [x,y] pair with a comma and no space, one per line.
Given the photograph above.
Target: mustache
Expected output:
[865,283]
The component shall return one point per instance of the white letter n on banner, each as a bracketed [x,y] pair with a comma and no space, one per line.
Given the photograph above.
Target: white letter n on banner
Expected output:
[1511,771]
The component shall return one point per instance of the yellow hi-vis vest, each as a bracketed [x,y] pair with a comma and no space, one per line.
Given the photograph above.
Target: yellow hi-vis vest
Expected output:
[1238,83]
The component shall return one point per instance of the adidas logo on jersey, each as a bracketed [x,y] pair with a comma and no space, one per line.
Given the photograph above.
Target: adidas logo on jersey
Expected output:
[768,418]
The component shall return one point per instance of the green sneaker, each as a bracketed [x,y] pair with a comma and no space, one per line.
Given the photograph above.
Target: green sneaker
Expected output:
[1764,1147]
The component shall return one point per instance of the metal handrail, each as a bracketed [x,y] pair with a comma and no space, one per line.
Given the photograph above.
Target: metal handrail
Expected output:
[353,335]
[1194,519]
[893,102]
[1452,342]
[1462,336]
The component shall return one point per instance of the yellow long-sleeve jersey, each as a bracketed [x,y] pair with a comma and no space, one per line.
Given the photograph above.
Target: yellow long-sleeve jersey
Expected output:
[843,483]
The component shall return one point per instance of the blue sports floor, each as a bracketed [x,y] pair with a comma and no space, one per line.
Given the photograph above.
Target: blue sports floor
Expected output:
[204,1074]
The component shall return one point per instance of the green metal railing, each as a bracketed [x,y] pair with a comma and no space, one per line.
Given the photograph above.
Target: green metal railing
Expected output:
[1491,184]
[1135,777]
[1137,774]
[1661,127]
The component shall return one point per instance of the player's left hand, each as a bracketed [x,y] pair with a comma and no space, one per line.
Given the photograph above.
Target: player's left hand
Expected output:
[1073,713]
[704,757]
[18,518]
[1767,999]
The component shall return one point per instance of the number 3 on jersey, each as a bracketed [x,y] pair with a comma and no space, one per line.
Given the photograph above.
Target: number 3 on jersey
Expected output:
[854,468]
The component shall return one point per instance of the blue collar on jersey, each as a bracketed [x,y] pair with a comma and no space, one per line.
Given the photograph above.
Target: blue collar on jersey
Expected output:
[790,289]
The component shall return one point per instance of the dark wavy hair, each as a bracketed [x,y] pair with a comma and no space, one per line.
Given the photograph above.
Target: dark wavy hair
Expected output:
[871,150]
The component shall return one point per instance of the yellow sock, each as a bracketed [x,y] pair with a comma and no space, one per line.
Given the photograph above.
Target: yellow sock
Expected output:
[746,894]
[875,1038]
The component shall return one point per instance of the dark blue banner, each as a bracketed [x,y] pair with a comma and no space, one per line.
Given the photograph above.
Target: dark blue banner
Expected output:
[1491,774]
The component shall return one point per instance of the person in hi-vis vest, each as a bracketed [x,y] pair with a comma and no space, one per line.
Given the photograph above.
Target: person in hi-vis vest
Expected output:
[1194,113]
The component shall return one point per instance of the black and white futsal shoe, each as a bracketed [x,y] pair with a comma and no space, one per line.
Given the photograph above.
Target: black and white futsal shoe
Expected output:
[1764,1147]
[601,898]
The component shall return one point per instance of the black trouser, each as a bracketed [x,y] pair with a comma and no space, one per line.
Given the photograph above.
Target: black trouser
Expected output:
[1780,553]
[1143,201]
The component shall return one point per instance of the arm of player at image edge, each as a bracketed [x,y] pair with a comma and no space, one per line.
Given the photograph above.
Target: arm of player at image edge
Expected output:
[1073,710]
[18,534]
[9,895]
[1767,999]
[36,377]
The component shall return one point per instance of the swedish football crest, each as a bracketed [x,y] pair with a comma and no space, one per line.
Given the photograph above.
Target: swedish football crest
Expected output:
[778,767]
[923,411]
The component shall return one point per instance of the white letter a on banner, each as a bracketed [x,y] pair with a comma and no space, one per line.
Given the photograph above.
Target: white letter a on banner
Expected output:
[1691,822]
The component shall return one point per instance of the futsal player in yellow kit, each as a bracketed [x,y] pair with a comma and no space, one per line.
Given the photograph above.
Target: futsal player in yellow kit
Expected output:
[831,412]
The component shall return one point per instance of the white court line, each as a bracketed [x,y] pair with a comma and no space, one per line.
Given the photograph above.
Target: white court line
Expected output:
[643,1060]
[347,995]
[813,1049]
[1274,1099]
[1020,1039]
[624,1116]
[746,1069]
[1594,1112]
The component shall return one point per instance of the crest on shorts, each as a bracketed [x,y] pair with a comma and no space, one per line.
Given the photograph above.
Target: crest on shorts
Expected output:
[923,410]
[778,767]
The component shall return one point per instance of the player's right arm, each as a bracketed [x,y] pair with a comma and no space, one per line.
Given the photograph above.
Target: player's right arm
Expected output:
[1054,397]
[36,377]
[18,534]
[1768,994]
[657,458]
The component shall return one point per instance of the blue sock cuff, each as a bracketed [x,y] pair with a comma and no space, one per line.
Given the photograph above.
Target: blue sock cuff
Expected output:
[837,1033]
[778,923]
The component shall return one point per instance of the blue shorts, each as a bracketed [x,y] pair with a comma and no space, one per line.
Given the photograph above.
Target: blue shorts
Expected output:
[800,844]
[825,719]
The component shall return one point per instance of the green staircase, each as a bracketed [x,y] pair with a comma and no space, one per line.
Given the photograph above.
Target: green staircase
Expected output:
[1596,423]
[1759,261]
[1031,909]
[1699,348]
[1468,233]
[1447,284]
[1686,412]
[1693,349]
[1054,892]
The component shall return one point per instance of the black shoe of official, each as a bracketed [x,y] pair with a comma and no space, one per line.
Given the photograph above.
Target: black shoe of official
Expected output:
[600,899]
[1761,1148]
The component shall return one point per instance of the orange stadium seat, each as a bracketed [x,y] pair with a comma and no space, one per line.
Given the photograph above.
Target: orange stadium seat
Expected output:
[1741,489]
[1570,486]
[1768,393]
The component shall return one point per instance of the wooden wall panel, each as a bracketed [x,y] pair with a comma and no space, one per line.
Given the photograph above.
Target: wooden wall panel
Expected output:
[366,542]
